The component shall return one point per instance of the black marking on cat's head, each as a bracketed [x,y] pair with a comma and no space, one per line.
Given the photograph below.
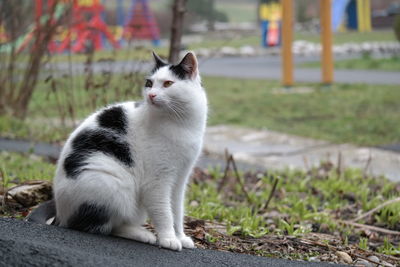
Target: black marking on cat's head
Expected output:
[113,118]
[91,218]
[159,62]
[187,68]
[90,141]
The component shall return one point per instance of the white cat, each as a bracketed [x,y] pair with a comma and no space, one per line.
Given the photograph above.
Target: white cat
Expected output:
[130,161]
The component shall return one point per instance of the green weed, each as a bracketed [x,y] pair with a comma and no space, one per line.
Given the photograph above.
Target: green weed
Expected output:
[388,248]
[363,243]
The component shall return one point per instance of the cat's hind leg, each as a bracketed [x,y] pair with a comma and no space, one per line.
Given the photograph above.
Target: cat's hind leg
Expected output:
[133,229]
[138,233]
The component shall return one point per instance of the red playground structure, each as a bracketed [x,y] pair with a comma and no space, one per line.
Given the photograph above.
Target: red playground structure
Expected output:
[140,24]
[88,28]
[84,28]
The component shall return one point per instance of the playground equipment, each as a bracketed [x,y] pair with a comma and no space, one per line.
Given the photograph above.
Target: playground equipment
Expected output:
[332,13]
[85,28]
[270,14]
[351,14]
[140,24]
[345,14]
[326,40]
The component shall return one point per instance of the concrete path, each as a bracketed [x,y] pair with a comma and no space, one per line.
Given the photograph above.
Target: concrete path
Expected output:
[29,244]
[274,150]
[263,149]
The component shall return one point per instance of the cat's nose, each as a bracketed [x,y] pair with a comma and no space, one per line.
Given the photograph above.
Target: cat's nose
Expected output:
[152,96]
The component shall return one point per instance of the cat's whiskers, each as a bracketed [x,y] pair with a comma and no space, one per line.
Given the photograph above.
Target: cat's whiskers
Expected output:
[177,111]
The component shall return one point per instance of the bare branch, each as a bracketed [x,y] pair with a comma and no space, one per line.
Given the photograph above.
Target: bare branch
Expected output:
[381,206]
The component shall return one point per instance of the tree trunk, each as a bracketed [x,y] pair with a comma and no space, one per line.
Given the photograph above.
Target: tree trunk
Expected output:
[178,13]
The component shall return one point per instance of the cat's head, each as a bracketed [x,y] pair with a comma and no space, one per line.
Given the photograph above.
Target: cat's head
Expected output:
[175,88]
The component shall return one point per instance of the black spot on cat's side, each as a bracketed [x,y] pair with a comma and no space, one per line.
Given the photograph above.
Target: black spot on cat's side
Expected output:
[179,71]
[90,218]
[113,118]
[90,141]
[74,163]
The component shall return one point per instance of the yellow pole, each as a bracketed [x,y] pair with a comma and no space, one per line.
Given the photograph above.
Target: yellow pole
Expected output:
[326,40]
[367,7]
[287,39]
[360,15]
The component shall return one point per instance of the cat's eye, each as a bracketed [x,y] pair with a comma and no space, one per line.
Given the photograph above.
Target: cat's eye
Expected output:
[149,83]
[167,83]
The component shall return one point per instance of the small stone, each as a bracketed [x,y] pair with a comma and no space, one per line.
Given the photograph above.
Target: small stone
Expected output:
[363,263]
[228,51]
[324,228]
[344,257]
[314,259]
[203,52]
[374,258]
[247,51]
[194,203]
[386,264]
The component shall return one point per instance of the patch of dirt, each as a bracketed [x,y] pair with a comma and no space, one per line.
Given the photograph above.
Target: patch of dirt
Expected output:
[312,246]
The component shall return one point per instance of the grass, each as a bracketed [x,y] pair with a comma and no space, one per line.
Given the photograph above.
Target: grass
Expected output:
[17,168]
[123,54]
[364,63]
[33,130]
[350,37]
[302,199]
[360,114]
[239,11]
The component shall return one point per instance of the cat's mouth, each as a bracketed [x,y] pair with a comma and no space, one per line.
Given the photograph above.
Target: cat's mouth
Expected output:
[154,103]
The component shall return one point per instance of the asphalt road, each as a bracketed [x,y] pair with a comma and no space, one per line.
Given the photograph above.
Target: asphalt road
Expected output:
[269,67]
[29,244]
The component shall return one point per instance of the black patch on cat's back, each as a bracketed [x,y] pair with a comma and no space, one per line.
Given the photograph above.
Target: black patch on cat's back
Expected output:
[179,71]
[90,141]
[113,118]
[90,218]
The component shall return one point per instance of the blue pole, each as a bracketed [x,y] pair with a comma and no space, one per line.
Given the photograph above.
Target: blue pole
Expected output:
[120,13]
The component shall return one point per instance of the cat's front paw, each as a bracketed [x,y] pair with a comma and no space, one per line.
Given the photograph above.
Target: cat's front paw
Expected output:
[187,242]
[170,243]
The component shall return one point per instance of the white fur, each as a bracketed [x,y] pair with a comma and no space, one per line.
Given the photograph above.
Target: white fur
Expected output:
[164,144]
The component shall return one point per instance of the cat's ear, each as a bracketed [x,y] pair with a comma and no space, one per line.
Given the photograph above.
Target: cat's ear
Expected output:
[189,65]
[158,61]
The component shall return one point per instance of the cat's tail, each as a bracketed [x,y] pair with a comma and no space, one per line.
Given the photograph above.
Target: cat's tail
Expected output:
[42,214]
